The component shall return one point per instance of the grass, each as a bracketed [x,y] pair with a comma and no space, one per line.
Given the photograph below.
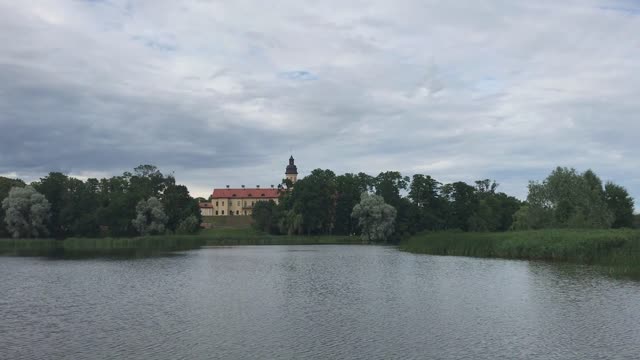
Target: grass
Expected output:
[616,251]
[146,245]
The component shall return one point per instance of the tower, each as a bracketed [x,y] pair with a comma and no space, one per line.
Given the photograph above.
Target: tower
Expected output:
[292,170]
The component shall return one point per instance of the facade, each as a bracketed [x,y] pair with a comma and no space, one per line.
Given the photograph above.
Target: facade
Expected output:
[240,202]
[206,209]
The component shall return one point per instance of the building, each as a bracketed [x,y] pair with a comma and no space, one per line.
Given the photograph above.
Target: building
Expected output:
[292,171]
[206,208]
[240,202]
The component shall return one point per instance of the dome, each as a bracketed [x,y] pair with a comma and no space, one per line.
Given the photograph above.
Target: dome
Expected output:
[292,169]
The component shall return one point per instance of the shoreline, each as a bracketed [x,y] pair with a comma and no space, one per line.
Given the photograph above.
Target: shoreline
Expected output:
[615,251]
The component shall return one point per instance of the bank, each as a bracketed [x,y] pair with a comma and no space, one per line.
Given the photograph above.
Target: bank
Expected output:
[615,251]
[148,245]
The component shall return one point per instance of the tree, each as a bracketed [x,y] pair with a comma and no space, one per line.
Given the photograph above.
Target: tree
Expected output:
[5,186]
[27,212]
[291,223]
[349,187]
[150,219]
[424,193]
[54,187]
[375,217]
[179,205]
[495,210]
[566,199]
[265,216]
[621,205]
[188,225]
[314,198]
[463,204]
[390,185]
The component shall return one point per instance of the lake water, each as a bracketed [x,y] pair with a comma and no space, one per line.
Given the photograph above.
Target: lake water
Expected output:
[313,302]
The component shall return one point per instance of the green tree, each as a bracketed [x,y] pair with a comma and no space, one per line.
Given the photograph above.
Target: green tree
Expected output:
[620,204]
[390,185]
[55,187]
[179,205]
[463,204]
[5,186]
[27,212]
[349,187]
[117,206]
[495,210]
[150,219]
[313,197]
[265,216]
[567,199]
[375,217]
[424,193]
[291,223]
[188,225]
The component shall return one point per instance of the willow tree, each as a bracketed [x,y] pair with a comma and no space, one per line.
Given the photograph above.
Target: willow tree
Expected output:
[26,213]
[151,218]
[375,217]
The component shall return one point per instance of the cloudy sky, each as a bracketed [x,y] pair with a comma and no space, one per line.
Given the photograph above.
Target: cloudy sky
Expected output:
[222,92]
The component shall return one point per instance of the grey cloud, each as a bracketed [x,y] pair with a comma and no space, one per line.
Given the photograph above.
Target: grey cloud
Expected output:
[221,93]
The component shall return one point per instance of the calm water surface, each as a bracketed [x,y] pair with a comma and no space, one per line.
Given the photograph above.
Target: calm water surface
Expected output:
[316,302]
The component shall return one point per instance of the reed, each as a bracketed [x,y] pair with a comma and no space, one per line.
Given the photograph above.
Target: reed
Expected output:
[616,251]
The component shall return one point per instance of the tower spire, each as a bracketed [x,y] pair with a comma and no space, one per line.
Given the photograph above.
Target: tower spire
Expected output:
[291,172]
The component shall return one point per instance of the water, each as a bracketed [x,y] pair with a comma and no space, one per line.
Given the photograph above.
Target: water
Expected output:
[315,302]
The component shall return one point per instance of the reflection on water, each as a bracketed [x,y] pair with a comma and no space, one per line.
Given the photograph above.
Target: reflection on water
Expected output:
[318,302]
[95,248]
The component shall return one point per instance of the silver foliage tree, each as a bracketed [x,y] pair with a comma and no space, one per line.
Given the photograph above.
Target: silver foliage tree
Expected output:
[150,217]
[375,217]
[26,213]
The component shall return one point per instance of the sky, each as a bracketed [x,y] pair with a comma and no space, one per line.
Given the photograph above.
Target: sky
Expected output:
[223,92]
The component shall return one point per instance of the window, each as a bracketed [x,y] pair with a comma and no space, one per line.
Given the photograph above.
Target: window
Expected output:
[238,203]
[245,203]
[237,212]
[216,212]
[252,203]
[223,205]
[222,212]
[216,203]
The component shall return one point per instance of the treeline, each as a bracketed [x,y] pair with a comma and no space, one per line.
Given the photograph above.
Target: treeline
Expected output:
[323,203]
[142,202]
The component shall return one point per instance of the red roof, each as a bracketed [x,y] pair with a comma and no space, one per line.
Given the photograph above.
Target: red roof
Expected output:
[246,193]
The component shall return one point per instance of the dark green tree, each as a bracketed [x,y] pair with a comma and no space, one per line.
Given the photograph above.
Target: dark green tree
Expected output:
[390,185]
[179,205]
[620,204]
[314,199]
[349,187]
[463,204]
[265,216]
[424,194]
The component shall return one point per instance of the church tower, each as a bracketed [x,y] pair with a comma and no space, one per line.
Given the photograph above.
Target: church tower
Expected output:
[292,171]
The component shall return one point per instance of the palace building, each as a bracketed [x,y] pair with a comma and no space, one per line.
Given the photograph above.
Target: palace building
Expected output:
[240,202]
